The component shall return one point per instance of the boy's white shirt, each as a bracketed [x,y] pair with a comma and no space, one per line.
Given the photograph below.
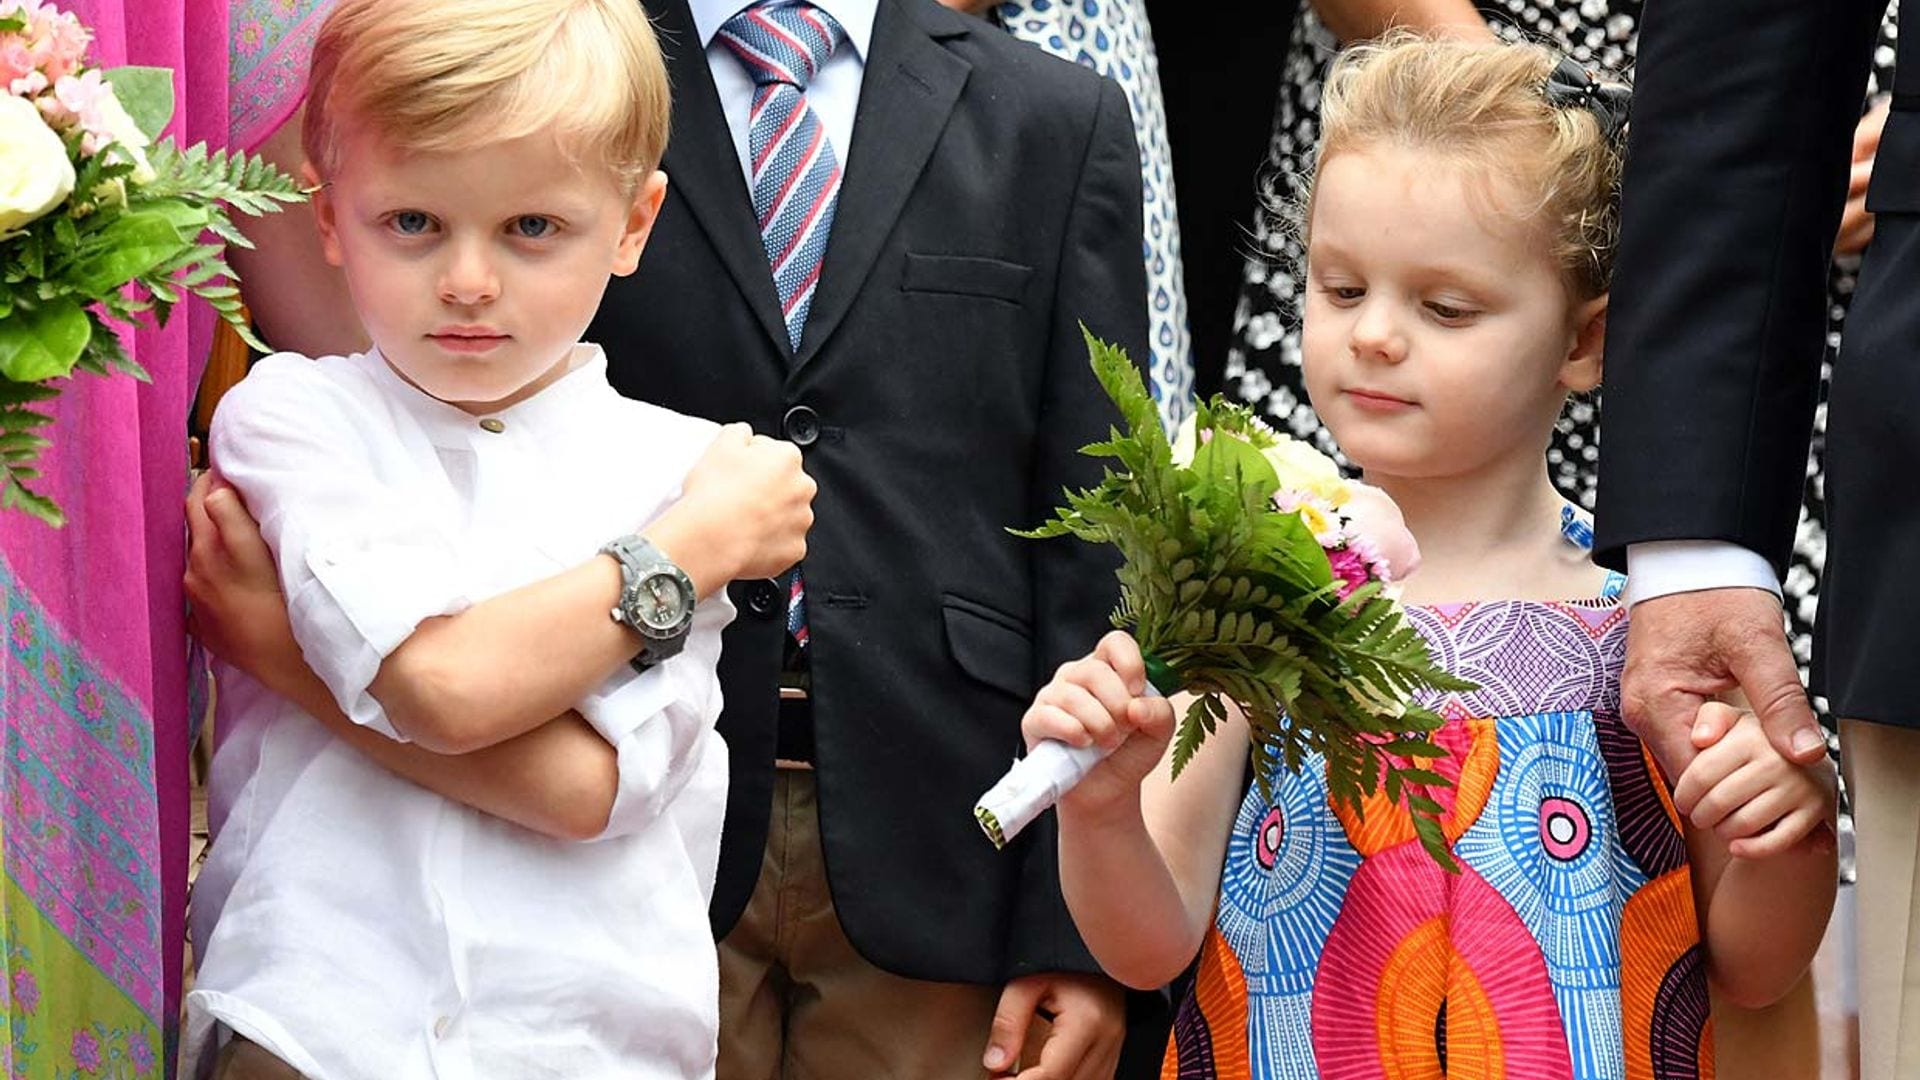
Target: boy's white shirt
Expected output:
[356,925]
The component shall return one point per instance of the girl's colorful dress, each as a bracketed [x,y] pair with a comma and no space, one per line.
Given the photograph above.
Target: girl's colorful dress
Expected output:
[1565,948]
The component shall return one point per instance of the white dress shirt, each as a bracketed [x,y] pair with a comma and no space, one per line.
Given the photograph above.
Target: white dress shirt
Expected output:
[834,94]
[358,926]
[1663,567]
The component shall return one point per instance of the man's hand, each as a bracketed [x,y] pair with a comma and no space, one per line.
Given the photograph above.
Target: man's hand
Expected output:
[1684,649]
[239,613]
[1088,1023]
[1856,224]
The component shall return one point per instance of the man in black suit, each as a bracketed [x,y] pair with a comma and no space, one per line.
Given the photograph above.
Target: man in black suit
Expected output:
[1737,170]
[937,381]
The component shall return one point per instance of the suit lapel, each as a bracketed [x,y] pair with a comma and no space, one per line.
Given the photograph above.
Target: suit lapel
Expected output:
[907,91]
[702,166]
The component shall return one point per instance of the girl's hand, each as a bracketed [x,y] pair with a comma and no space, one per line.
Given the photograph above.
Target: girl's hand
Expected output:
[1755,801]
[1099,700]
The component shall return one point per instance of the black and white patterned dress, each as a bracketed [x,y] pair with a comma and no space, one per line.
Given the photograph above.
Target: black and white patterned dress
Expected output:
[1263,363]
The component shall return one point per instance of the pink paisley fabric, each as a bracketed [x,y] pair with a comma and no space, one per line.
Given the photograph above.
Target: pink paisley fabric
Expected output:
[94,679]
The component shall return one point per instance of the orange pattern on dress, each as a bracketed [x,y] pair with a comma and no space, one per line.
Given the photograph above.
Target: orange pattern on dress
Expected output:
[1657,930]
[1472,763]
[1220,993]
[1421,976]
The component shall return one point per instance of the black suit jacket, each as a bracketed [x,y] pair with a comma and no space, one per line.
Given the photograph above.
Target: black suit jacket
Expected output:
[991,202]
[1736,174]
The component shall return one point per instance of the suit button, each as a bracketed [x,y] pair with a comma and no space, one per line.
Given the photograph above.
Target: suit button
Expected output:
[763,597]
[802,426]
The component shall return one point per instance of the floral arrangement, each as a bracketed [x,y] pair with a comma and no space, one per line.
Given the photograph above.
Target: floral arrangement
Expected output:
[1254,573]
[99,225]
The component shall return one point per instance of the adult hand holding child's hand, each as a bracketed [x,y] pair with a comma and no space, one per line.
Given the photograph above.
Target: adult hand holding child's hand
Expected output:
[1755,800]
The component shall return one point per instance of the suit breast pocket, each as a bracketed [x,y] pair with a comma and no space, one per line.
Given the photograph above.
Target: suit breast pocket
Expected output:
[966,275]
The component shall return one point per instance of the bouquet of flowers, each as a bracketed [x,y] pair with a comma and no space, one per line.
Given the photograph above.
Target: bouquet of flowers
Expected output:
[98,224]
[1253,573]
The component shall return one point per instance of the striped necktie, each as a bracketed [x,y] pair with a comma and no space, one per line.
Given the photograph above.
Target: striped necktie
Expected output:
[795,174]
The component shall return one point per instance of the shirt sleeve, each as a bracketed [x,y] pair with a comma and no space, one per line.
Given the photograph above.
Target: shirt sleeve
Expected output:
[362,560]
[660,722]
[1663,567]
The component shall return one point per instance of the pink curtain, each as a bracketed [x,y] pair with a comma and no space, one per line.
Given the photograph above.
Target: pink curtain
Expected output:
[94,681]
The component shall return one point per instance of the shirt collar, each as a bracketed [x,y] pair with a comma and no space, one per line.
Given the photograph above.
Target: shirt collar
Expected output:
[854,16]
[557,405]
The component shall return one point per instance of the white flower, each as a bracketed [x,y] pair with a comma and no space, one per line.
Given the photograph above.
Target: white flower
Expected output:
[35,175]
[117,125]
[1186,441]
[1303,469]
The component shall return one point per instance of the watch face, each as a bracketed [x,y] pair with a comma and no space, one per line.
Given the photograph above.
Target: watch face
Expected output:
[659,602]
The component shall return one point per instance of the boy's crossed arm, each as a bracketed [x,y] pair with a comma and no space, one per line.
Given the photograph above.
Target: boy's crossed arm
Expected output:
[1759,831]
[486,695]
[559,779]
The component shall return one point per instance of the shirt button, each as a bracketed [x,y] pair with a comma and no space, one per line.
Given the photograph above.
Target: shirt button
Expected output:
[493,425]
[440,1027]
[802,425]
[763,597]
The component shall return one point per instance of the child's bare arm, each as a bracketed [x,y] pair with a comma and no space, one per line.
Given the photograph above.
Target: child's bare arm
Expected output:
[502,666]
[1139,859]
[559,779]
[1764,899]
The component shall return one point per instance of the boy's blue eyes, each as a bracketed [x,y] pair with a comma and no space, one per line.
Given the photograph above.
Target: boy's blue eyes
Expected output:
[533,226]
[525,227]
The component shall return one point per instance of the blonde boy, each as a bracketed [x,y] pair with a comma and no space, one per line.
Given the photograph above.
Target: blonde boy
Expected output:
[400,884]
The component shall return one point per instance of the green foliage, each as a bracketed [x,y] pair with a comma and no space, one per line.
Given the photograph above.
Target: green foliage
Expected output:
[122,248]
[1237,601]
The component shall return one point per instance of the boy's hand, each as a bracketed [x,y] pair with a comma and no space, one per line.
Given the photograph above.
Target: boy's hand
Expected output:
[749,501]
[1756,802]
[238,611]
[1098,700]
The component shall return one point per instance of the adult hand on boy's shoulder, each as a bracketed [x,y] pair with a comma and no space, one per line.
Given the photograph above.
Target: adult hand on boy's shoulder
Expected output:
[238,611]
[1087,1024]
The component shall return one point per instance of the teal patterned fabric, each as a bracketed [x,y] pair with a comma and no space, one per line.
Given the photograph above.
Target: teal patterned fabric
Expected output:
[267,52]
[1112,37]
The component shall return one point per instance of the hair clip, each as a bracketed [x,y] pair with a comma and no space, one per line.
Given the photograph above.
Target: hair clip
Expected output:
[1570,86]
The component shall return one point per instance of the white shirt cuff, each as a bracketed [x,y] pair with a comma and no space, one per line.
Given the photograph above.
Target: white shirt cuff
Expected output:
[1664,567]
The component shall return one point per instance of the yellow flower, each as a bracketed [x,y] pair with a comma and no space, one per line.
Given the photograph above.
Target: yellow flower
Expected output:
[35,175]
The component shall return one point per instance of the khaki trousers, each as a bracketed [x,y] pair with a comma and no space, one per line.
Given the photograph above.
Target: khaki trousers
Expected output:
[243,1060]
[798,1003]
[1882,766]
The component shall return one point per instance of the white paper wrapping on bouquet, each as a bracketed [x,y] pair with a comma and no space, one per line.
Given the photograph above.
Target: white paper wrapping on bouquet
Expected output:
[1036,782]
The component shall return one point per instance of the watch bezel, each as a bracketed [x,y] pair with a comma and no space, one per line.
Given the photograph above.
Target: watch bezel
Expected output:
[641,563]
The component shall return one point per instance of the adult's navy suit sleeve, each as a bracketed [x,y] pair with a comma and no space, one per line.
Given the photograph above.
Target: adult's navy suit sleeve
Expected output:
[1102,282]
[1736,174]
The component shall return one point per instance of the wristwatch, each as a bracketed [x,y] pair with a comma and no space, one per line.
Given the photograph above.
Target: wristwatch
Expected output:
[656,599]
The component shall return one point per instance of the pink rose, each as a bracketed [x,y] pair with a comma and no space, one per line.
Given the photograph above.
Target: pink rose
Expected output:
[16,63]
[1372,516]
[1350,569]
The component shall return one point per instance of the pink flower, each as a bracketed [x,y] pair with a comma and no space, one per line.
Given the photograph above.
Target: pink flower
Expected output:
[140,1051]
[26,990]
[87,697]
[86,1050]
[16,63]
[1350,569]
[1372,516]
